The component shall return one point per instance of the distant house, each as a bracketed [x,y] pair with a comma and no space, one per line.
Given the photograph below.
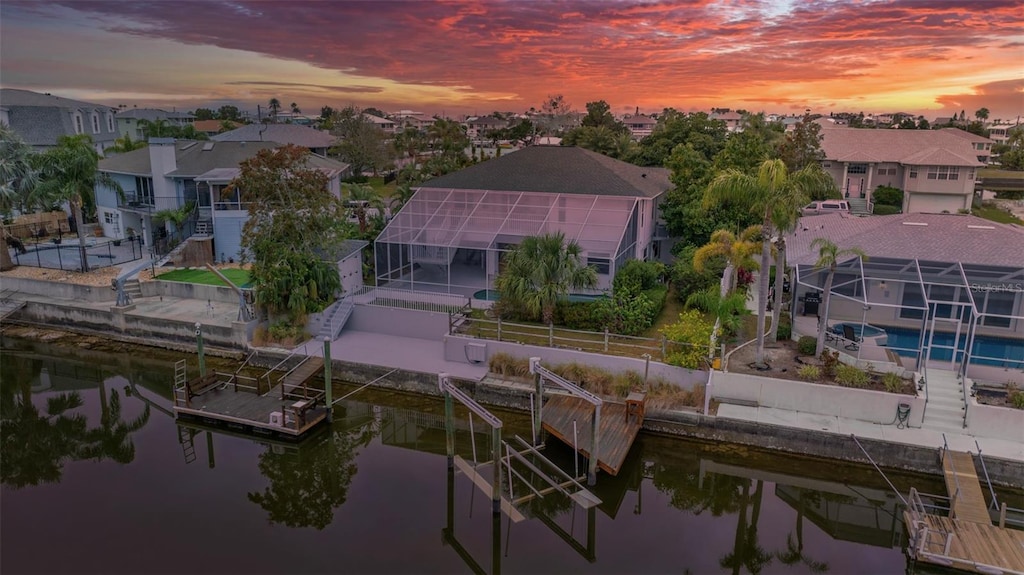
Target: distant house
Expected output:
[934,168]
[128,121]
[170,173]
[450,237]
[387,126]
[214,127]
[733,120]
[478,128]
[982,146]
[40,119]
[640,125]
[316,141]
[409,119]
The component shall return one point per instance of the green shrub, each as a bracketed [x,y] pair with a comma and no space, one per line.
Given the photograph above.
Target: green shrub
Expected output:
[578,315]
[626,314]
[893,383]
[694,335]
[785,331]
[850,376]
[829,361]
[809,373]
[283,330]
[688,280]
[806,345]
[638,275]
[887,196]
[884,210]
[1015,396]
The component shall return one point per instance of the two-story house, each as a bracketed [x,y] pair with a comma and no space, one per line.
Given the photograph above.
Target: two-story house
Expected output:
[479,128]
[934,168]
[640,126]
[170,173]
[315,140]
[41,119]
[131,122]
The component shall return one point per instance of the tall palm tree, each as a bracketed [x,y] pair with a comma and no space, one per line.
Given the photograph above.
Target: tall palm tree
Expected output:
[157,128]
[728,309]
[784,221]
[273,107]
[829,255]
[449,137]
[177,216]
[736,250]
[295,108]
[18,177]
[542,270]
[70,173]
[125,144]
[772,188]
[400,197]
[360,198]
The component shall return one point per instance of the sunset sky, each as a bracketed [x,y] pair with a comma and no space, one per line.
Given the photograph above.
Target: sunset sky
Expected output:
[465,57]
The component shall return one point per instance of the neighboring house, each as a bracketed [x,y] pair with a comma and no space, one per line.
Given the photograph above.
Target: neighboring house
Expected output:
[640,125]
[478,128]
[956,277]
[934,168]
[387,126]
[316,141]
[128,121]
[981,145]
[733,120]
[214,127]
[409,119]
[170,173]
[451,236]
[41,119]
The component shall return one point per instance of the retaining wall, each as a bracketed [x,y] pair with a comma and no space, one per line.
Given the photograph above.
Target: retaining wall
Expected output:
[56,289]
[456,349]
[188,291]
[861,404]
[995,422]
[398,321]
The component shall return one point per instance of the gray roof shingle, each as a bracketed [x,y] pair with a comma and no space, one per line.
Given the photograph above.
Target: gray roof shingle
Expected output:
[558,170]
[193,161]
[41,119]
[153,114]
[282,133]
[936,237]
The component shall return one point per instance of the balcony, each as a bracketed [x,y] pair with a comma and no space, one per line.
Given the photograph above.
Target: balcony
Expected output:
[136,203]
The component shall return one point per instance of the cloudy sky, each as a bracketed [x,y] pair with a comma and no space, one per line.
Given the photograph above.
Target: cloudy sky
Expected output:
[474,56]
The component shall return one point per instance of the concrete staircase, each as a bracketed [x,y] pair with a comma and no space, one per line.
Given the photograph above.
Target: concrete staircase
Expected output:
[133,289]
[859,206]
[945,411]
[336,319]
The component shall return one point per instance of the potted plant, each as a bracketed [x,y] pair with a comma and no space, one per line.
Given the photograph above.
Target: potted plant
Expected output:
[130,233]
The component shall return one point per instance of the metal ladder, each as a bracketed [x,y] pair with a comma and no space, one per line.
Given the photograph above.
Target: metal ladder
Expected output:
[180,383]
[186,437]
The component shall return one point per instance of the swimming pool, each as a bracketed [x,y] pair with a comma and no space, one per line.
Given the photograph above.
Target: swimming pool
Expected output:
[870,333]
[987,350]
[493,295]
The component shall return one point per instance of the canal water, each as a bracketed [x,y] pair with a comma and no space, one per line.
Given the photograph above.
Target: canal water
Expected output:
[97,477]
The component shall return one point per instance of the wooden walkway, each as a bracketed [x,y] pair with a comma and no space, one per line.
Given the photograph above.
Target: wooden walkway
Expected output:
[616,433]
[967,502]
[966,540]
[301,375]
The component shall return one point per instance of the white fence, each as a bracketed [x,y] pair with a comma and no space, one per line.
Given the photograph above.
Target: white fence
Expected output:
[407,299]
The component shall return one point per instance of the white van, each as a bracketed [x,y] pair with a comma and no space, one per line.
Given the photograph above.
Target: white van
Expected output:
[826,207]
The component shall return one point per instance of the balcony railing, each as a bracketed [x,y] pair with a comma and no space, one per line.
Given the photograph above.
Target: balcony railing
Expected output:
[136,203]
[238,206]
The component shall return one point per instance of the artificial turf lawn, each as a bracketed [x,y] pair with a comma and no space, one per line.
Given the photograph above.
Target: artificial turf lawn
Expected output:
[239,277]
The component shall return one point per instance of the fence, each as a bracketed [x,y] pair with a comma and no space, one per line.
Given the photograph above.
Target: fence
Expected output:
[659,349]
[66,253]
[407,299]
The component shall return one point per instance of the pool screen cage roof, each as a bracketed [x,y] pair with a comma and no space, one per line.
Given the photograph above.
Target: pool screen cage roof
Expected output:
[481,219]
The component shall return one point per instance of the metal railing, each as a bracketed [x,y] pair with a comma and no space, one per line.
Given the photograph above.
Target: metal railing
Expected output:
[415,300]
[580,340]
[66,253]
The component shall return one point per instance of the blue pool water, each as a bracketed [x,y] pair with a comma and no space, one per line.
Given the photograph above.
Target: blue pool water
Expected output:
[492,295]
[986,350]
[869,330]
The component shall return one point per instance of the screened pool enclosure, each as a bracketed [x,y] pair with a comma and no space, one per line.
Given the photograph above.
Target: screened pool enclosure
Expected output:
[962,317]
[454,240]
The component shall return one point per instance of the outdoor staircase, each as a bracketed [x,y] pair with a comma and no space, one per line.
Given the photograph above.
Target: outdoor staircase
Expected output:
[133,289]
[8,304]
[336,318]
[204,227]
[859,206]
[945,411]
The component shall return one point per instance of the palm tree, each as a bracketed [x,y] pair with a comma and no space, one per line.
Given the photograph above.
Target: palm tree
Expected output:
[111,440]
[772,189]
[400,197]
[449,137]
[18,177]
[360,199]
[542,270]
[273,107]
[794,552]
[157,128]
[736,250]
[71,174]
[177,216]
[829,255]
[125,144]
[728,309]
[190,132]
[784,221]
[295,108]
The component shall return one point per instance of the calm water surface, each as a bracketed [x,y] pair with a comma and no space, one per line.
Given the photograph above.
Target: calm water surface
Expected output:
[97,477]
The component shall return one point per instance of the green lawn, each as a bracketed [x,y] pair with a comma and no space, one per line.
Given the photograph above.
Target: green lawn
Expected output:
[990,212]
[385,190]
[999,174]
[239,277]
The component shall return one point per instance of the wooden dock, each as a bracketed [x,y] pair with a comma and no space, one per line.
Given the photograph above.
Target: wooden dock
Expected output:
[616,433]
[966,540]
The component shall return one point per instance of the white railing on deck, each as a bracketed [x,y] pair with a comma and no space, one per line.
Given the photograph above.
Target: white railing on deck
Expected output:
[408,299]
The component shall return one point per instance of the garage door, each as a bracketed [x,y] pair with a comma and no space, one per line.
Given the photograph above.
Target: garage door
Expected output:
[935,203]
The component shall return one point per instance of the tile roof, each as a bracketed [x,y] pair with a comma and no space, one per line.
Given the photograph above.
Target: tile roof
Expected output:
[559,170]
[193,160]
[153,114]
[909,147]
[282,133]
[936,237]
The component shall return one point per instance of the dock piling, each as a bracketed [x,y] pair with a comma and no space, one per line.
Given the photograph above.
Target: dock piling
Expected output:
[328,385]
[199,342]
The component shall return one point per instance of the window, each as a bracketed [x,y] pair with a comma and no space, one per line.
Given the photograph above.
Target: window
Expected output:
[144,190]
[110,122]
[857,169]
[913,173]
[603,265]
[826,165]
[943,173]
[110,217]
[78,123]
[95,123]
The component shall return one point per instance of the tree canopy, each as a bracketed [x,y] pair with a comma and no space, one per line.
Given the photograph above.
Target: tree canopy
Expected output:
[361,143]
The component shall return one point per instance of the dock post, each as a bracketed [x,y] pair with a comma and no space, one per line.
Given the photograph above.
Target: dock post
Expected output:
[209,450]
[538,383]
[328,385]
[449,419]
[199,342]
[594,444]
[496,486]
